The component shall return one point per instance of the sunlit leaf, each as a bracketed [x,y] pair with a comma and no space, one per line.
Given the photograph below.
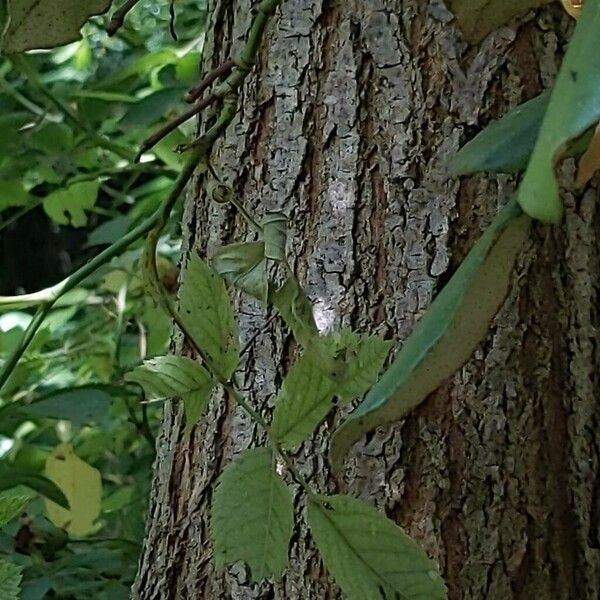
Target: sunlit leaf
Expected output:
[81,484]
[252,515]
[369,556]
[206,309]
[69,206]
[47,23]
[176,376]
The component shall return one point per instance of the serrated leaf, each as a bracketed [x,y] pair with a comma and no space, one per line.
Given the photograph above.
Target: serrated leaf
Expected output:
[297,310]
[69,206]
[11,505]
[245,267]
[358,359]
[11,478]
[274,226]
[369,556]
[10,580]
[81,484]
[206,310]
[446,336]
[505,145]
[252,515]
[47,23]
[305,398]
[176,376]
[574,107]
[477,18]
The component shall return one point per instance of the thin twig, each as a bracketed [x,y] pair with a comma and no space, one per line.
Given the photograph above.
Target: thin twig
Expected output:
[118,18]
[218,73]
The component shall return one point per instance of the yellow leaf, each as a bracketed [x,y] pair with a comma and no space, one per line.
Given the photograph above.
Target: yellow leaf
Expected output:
[81,484]
[573,7]
[590,161]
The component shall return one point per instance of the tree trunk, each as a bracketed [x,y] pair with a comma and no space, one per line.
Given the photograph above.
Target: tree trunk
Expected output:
[346,125]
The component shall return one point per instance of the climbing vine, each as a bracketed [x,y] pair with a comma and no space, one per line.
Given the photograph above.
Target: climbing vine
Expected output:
[252,517]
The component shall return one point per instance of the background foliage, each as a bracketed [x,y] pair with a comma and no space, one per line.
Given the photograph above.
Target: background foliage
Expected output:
[70,118]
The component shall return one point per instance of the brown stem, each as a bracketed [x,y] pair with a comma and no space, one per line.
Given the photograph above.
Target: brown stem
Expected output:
[208,80]
[118,18]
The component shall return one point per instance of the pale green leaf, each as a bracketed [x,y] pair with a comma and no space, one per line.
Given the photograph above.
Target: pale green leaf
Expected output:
[305,398]
[297,310]
[10,580]
[369,556]
[69,206]
[206,310]
[47,23]
[176,376]
[244,266]
[252,515]
[477,18]
[446,336]
[275,235]
[11,505]
[574,107]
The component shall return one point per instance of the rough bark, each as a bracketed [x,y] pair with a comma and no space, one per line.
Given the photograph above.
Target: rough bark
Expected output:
[346,126]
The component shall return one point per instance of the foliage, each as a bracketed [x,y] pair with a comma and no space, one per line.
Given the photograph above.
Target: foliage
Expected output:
[77,384]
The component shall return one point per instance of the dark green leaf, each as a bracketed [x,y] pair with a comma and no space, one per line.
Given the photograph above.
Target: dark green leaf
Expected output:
[574,107]
[275,235]
[12,193]
[446,336]
[10,478]
[504,146]
[11,505]
[10,580]
[253,515]
[369,556]
[244,266]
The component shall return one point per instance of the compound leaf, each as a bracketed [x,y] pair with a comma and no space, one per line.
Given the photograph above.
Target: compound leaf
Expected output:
[253,515]
[10,580]
[206,310]
[369,556]
[11,505]
[176,376]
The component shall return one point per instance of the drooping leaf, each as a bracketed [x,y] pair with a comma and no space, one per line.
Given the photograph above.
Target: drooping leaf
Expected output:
[477,18]
[305,398]
[574,107]
[80,405]
[296,309]
[505,145]
[176,376]
[446,336]
[275,235]
[11,478]
[10,580]
[81,484]
[253,515]
[69,206]
[244,266]
[206,309]
[369,556]
[47,23]
[11,505]
[590,161]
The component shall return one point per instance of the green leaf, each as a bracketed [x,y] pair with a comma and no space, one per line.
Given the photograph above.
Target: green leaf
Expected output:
[47,23]
[574,107]
[80,405]
[10,478]
[297,310]
[369,556]
[358,360]
[253,515]
[12,193]
[446,336]
[10,580]
[176,376]
[244,266]
[11,506]
[68,206]
[505,145]
[477,18]
[207,312]
[305,398]
[274,226]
